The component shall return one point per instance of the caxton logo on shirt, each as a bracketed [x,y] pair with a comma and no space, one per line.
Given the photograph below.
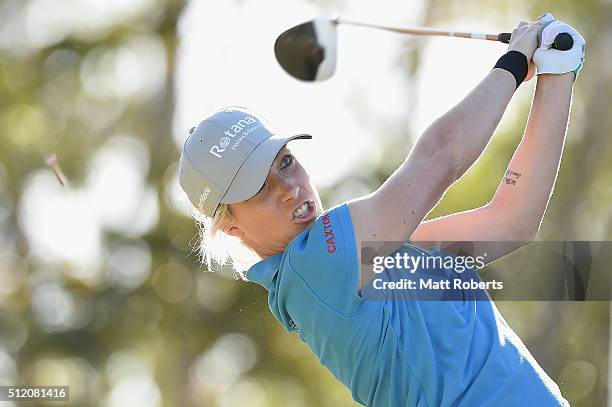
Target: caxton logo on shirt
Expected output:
[236,129]
[329,234]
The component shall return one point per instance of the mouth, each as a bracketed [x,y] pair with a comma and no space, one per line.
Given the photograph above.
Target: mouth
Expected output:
[305,212]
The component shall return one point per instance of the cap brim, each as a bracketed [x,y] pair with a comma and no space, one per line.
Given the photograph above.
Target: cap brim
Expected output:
[254,171]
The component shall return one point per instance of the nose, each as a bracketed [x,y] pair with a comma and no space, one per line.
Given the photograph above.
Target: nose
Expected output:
[289,190]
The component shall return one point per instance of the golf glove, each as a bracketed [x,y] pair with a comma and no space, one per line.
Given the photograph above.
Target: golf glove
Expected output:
[553,61]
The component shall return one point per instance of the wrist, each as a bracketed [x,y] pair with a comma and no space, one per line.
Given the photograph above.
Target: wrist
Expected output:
[516,63]
[557,79]
[504,78]
[518,50]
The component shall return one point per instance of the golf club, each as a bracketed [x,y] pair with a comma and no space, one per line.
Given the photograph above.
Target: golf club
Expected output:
[308,50]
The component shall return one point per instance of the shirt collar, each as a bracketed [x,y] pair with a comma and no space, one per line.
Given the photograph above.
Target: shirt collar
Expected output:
[263,272]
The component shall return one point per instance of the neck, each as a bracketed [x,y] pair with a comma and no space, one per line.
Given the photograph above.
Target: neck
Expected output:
[264,252]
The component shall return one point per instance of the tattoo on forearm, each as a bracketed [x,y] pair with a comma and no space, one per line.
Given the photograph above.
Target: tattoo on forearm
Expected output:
[512,177]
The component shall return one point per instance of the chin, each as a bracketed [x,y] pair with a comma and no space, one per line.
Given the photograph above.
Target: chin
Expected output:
[300,227]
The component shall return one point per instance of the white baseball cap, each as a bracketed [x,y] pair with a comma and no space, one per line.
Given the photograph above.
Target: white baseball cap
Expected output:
[227,157]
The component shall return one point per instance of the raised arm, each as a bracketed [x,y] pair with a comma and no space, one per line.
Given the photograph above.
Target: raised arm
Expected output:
[523,194]
[519,204]
[440,156]
[517,209]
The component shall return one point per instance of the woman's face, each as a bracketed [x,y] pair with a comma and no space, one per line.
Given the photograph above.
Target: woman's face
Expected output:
[285,206]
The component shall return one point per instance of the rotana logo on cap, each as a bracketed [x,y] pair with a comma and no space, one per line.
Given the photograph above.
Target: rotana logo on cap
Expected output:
[227,157]
[240,128]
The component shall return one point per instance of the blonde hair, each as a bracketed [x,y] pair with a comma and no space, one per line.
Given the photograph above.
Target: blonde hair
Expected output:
[214,245]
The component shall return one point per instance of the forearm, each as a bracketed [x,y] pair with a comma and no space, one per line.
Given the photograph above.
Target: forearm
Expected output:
[432,166]
[525,190]
[468,126]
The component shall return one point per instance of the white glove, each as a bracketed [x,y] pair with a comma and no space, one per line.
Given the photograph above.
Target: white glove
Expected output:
[554,61]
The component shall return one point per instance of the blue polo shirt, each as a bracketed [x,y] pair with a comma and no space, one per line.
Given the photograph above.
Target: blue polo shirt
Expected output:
[396,351]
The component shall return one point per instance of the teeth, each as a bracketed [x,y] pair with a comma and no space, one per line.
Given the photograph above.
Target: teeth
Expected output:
[301,210]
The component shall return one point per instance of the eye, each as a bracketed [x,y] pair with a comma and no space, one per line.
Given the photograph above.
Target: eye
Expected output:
[287,161]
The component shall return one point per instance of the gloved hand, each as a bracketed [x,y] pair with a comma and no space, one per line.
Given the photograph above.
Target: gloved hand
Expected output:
[552,61]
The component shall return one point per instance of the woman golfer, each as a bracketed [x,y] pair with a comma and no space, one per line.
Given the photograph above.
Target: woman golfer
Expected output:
[395,351]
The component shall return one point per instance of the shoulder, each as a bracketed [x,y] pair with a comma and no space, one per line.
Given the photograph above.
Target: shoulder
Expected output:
[330,237]
[324,258]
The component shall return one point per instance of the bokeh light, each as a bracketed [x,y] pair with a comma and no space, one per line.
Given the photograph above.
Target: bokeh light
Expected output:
[172,282]
[217,369]
[129,265]
[59,226]
[57,309]
[120,168]
[13,331]
[578,377]
[136,69]
[77,373]
[132,381]
[8,369]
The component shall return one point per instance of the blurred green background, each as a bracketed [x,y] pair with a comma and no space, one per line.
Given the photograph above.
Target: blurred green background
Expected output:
[100,285]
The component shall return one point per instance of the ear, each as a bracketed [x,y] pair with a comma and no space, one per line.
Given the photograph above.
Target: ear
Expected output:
[234,231]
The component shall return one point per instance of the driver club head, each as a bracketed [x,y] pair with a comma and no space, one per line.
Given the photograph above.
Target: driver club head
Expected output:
[308,51]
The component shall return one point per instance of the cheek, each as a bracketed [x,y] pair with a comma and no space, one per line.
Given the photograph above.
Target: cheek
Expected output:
[303,176]
[264,220]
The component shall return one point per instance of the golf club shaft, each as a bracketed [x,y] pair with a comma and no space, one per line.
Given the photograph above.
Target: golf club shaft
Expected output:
[562,42]
[430,31]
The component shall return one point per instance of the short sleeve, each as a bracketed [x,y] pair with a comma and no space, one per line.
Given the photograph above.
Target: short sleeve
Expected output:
[325,258]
